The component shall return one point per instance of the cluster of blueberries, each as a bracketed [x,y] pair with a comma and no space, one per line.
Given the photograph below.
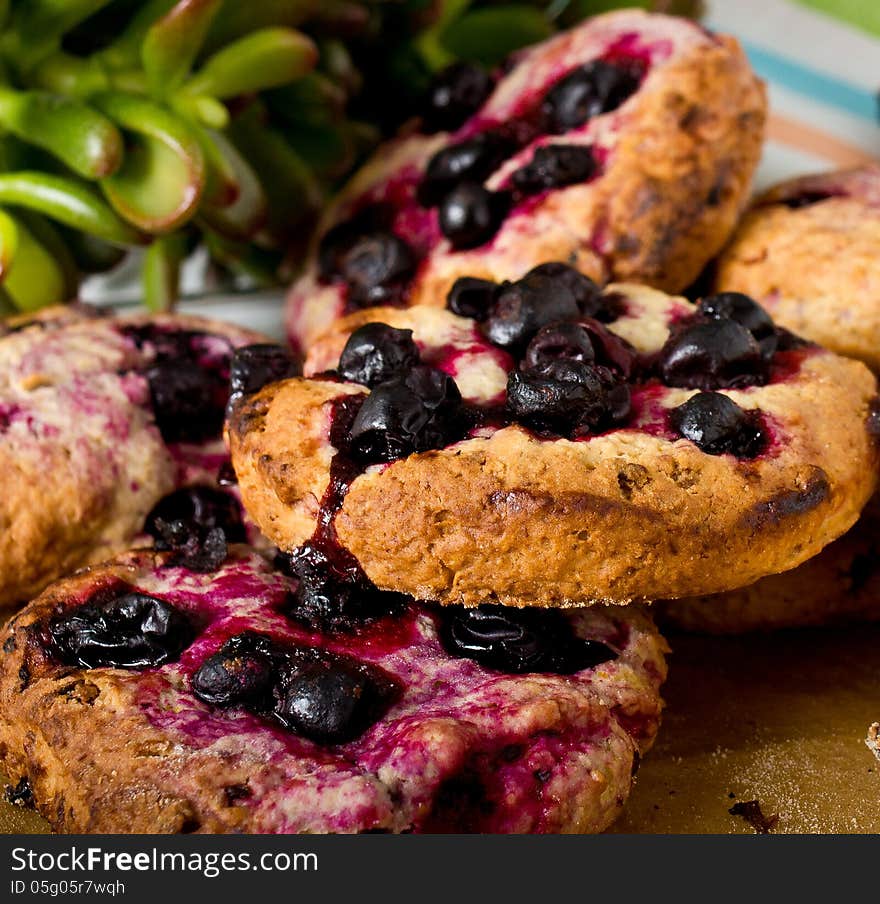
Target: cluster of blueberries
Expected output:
[573,376]
[376,264]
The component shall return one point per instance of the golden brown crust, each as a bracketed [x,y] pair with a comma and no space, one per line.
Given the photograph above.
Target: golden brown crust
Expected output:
[839,586]
[110,750]
[626,515]
[90,464]
[815,268]
[681,154]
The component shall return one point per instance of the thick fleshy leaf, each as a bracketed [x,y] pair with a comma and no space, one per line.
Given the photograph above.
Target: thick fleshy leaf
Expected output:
[91,254]
[238,19]
[172,43]
[41,273]
[160,183]
[80,136]
[69,202]
[488,35]
[263,59]
[125,50]
[8,242]
[40,23]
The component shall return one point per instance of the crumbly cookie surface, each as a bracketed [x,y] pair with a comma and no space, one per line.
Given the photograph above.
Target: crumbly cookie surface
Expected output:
[808,250]
[461,748]
[83,458]
[673,169]
[512,515]
[839,586]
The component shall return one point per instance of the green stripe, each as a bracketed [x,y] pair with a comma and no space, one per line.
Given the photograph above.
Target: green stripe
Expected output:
[864,14]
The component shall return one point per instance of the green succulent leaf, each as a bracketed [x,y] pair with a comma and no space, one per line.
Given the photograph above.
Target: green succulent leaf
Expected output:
[80,136]
[160,183]
[38,26]
[172,43]
[161,271]
[487,36]
[69,202]
[263,59]
[237,19]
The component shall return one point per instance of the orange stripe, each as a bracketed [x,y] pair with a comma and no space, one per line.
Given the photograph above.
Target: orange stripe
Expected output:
[806,138]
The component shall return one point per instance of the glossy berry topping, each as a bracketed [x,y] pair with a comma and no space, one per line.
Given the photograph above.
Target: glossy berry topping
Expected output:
[377,352]
[473,160]
[470,215]
[376,269]
[746,312]
[455,93]
[555,166]
[198,508]
[519,640]
[590,90]
[568,397]
[120,628]
[338,240]
[711,354]
[256,366]
[189,401]
[568,339]
[331,699]
[590,300]
[242,671]
[325,697]
[195,548]
[413,413]
[717,425]
[472,297]
[526,305]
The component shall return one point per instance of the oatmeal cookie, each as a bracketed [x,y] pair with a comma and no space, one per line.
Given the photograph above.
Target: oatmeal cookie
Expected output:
[624,147]
[139,696]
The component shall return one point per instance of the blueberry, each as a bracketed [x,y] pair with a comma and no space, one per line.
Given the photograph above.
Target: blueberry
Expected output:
[523,307]
[413,413]
[472,297]
[746,312]
[587,294]
[567,397]
[120,628]
[255,366]
[473,160]
[376,269]
[200,508]
[242,671]
[470,215]
[711,354]
[331,699]
[338,240]
[377,352]
[590,90]
[455,93]
[202,550]
[717,425]
[189,401]
[519,640]
[568,339]
[555,166]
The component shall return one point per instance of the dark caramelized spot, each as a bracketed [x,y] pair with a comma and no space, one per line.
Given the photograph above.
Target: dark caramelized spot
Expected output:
[717,425]
[120,628]
[377,352]
[20,794]
[518,641]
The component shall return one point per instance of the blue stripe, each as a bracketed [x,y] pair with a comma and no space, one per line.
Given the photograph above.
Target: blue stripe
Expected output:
[818,86]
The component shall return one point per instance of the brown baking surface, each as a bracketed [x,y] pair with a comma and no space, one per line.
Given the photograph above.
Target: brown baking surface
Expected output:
[778,718]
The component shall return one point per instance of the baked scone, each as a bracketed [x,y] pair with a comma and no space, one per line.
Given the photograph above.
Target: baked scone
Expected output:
[839,586]
[139,696]
[668,451]
[809,251]
[624,147]
[100,418]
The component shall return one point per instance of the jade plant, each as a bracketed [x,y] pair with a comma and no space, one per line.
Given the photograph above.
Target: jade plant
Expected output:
[173,124]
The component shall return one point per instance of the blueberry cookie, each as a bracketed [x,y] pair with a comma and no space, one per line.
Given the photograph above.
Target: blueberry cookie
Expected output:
[809,251]
[562,443]
[140,696]
[625,147]
[100,418]
[839,586]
